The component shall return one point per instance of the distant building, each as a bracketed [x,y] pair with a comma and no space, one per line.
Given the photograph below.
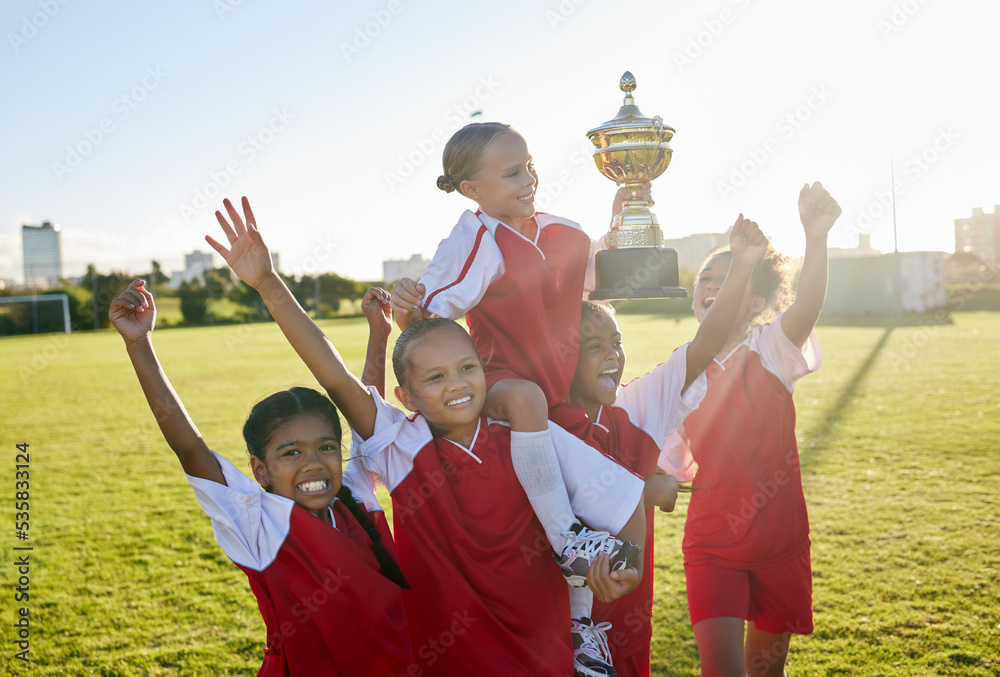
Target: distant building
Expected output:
[195,265]
[873,285]
[396,270]
[863,249]
[979,234]
[694,249]
[42,255]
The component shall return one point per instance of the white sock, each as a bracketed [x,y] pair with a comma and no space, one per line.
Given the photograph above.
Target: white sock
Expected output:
[581,602]
[537,469]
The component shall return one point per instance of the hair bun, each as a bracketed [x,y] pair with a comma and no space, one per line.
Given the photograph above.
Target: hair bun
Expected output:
[445,184]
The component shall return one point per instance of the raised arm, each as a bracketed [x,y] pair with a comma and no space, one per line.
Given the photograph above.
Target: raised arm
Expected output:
[133,314]
[250,259]
[748,245]
[818,212]
[376,307]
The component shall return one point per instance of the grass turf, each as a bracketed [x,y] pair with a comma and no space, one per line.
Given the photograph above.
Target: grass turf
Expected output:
[898,433]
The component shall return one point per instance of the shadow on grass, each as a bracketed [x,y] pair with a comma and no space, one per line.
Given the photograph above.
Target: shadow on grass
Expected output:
[822,431]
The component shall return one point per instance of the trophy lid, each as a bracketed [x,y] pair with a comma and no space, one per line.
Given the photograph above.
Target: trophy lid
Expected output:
[629,116]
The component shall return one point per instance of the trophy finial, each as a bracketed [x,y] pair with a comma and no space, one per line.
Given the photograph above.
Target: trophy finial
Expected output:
[627,83]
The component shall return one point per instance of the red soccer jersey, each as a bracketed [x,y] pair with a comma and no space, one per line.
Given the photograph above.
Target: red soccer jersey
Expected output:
[486,594]
[751,511]
[521,297]
[327,607]
[654,403]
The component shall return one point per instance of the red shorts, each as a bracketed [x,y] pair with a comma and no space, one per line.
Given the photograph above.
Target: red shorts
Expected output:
[777,598]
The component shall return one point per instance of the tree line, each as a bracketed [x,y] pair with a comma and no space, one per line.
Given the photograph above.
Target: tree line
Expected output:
[90,300]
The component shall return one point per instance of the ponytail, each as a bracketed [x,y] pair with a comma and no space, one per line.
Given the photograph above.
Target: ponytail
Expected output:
[389,567]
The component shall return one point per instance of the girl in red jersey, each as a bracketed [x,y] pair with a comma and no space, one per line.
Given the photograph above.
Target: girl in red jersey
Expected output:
[632,423]
[746,539]
[323,571]
[486,595]
[518,278]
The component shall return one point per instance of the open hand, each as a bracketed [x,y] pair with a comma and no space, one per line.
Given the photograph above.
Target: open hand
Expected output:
[377,307]
[132,312]
[247,255]
[746,241]
[817,210]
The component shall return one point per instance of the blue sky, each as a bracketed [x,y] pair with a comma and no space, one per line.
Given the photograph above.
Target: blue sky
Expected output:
[126,123]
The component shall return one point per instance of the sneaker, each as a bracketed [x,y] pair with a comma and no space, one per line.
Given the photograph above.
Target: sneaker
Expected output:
[584,545]
[591,655]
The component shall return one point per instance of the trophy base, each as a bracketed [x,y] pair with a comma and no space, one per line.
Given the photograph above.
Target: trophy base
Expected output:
[637,273]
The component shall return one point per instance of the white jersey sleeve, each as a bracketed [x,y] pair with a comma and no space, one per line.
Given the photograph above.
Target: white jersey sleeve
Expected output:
[783,358]
[388,454]
[249,524]
[362,484]
[465,264]
[654,401]
[601,492]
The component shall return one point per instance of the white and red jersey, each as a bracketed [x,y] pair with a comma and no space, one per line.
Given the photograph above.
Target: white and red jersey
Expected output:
[327,607]
[751,511]
[521,298]
[486,595]
[632,432]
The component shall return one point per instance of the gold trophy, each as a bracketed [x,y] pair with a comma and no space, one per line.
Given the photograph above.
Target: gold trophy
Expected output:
[632,149]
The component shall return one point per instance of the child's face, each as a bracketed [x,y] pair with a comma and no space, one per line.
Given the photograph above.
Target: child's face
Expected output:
[707,287]
[506,180]
[600,365]
[445,382]
[709,281]
[302,462]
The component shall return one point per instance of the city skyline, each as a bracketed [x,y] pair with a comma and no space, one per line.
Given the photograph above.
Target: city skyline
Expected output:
[326,120]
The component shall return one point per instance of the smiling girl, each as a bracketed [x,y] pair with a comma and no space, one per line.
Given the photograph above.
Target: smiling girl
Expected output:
[518,277]
[631,424]
[487,598]
[324,574]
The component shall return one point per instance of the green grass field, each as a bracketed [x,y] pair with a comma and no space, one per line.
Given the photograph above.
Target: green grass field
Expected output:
[898,433]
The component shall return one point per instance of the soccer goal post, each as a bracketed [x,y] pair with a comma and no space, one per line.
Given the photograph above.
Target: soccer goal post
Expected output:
[34,300]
